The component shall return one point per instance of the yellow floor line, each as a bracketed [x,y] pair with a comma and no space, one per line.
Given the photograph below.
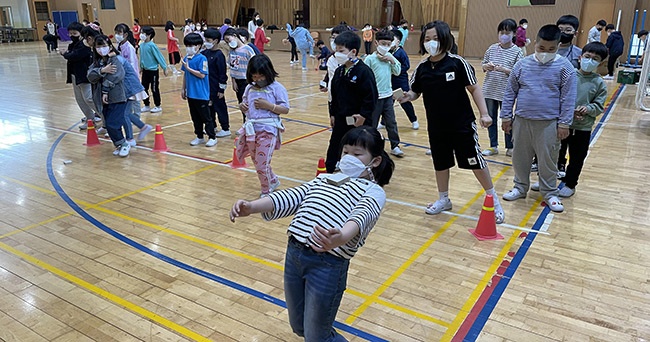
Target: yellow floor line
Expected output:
[103,293]
[415,255]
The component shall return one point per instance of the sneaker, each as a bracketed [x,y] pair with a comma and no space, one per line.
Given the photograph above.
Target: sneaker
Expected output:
[499,215]
[438,206]
[380,126]
[97,118]
[509,152]
[428,152]
[533,167]
[145,109]
[124,150]
[132,143]
[514,194]
[116,151]
[397,152]
[304,69]
[102,130]
[107,136]
[415,125]
[156,110]
[608,77]
[144,131]
[274,186]
[490,151]
[211,142]
[291,62]
[566,192]
[534,186]
[554,204]
[312,56]
[223,133]
[83,126]
[561,171]
[197,141]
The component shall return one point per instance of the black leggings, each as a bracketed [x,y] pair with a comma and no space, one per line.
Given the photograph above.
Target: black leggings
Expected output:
[367,45]
[294,52]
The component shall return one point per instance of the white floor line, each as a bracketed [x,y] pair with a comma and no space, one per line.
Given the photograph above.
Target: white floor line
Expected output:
[611,113]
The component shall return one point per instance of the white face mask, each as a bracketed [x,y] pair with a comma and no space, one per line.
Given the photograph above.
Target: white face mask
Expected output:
[588,64]
[525,26]
[208,46]
[232,44]
[341,58]
[198,27]
[545,57]
[382,50]
[432,47]
[103,51]
[191,50]
[332,45]
[119,38]
[352,166]
[143,36]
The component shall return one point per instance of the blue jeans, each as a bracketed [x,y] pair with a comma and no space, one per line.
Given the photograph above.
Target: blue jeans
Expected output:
[115,120]
[313,285]
[132,116]
[493,109]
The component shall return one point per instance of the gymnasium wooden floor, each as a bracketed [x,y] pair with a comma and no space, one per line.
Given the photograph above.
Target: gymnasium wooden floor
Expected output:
[141,248]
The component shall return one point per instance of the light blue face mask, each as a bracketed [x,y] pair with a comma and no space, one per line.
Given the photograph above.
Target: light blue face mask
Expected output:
[588,64]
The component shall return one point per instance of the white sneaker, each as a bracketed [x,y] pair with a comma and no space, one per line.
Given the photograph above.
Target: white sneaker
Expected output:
[499,215]
[566,192]
[211,142]
[514,194]
[132,142]
[116,151]
[124,150]
[304,69]
[509,152]
[380,126]
[397,152]
[83,126]
[101,130]
[534,186]
[197,141]
[274,186]
[415,125]
[97,118]
[554,204]
[223,133]
[107,136]
[145,109]
[428,152]
[490,151]
[156,110]
[144,131]
[607,77]
[438,206]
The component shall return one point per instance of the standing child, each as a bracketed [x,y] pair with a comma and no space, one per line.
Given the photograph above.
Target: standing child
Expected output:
[401,81]
[172,47]
[245,38]
[330,224]
[444,80]
[324,55]
[497,62]
[240,54]
[150,60]
[260,36]
[196,90]
[568,25]
[354,94]
[383,65]
[615,46]
[544,87]
[367,33]
[404,29]
[590,102]
[294,49]
[264,100]
[304,42]
[332,64]
[136,33]
[218,81]
[107,75]
[520,39]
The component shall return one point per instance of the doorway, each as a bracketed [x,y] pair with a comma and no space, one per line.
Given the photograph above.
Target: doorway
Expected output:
[87,12]
[397,12]
[592,11]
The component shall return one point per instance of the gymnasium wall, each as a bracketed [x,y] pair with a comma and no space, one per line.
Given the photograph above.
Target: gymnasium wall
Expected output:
[19,12]
[107,18]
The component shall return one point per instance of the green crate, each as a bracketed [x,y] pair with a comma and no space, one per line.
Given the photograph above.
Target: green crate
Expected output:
[626,77]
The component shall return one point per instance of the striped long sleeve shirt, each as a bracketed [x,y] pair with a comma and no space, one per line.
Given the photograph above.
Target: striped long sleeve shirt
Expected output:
[542,91]
[329,206]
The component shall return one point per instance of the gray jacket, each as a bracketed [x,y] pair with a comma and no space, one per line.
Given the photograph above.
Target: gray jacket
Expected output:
[111,84]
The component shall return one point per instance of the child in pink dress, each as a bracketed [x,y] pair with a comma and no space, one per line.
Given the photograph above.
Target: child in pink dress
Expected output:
[263,101]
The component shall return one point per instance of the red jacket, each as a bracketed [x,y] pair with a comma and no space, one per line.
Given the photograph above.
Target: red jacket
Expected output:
[520,38]
[260,39]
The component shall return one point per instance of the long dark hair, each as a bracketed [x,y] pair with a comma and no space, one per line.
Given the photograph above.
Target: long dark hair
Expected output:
[261,64]
[370,139]
[102,40]
[169,25]
[126,31]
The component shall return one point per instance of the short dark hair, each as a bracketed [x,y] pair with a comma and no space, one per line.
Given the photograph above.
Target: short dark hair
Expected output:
[370,139]
[213,34]
[601,22]
[610,27]
[569,20]
[445,38]
[227,21]
[640,34]
[397,33]
[242,32]
[596,47]
[338,29]
[262,65]
[549,33]
[385,35]
[136,20]
[259,22]
[256,14]
[169,25]
[403,21]
[75,26]
[350,40]
[523,21]
[320,42]
[509,25]
[88,31]
[193,39]
[230,32]
[149,31]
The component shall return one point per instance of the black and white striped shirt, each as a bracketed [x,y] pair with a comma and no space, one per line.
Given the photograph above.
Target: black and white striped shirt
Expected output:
[329,206]
[495,82]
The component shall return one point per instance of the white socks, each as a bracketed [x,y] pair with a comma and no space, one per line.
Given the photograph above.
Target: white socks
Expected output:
[493,192]
[444,195]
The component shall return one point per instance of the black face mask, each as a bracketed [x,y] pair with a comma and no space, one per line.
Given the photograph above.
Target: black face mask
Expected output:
[566,38]
[599,28]
[75,38]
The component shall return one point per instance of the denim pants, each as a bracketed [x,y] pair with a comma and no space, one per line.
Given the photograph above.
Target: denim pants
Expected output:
[132,116]
[493,109]
[115,120]
[313,285]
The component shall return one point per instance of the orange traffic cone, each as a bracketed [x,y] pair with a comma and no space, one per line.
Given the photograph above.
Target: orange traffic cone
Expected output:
[486,229]
[321,167]
[236,163]
[91,135]
[159,144]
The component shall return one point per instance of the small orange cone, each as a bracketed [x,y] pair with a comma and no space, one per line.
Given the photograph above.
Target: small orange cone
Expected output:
[236,163]
[91,135]
[486,229]
[159,144]
[321,167]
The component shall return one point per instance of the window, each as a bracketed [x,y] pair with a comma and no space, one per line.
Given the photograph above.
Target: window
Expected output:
[42,12]
[108,4]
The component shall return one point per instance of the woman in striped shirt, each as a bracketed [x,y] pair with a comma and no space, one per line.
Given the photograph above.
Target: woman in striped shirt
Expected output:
[333,215]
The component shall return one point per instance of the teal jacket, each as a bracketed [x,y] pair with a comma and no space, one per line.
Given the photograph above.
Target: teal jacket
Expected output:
[592,93]
[151,57]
